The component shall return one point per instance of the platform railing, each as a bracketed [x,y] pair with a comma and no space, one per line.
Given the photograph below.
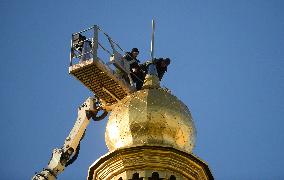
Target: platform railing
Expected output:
[75,53]
[95,44]
[85,47]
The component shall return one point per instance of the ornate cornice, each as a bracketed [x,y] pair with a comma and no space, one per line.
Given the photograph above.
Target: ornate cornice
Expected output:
[149,159]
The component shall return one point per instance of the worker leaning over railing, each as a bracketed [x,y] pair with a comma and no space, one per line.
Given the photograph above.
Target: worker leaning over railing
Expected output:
[140,70]
[135,71]
[137,74]
[162,66]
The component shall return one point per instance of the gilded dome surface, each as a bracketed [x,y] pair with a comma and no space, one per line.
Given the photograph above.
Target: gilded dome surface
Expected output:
[150,117]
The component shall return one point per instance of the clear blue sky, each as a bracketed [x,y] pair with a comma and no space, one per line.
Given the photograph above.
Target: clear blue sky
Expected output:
[227,66]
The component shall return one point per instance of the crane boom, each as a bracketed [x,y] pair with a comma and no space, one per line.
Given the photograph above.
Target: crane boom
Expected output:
[62,157]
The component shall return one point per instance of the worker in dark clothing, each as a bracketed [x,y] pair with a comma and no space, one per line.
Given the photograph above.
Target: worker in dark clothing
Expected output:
[83,47]
[162,66]
[132,58]
[137,73]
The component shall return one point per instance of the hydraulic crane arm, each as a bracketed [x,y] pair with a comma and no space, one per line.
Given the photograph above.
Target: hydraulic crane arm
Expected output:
[62,157]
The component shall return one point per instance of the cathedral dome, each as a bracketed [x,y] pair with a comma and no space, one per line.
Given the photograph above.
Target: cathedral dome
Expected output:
[153,117]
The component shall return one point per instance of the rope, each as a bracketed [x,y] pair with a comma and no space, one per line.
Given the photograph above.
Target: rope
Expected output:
[111,39]
[105,49]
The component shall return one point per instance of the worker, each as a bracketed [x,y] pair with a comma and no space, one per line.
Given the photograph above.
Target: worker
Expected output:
[86,51]
[137,74]
[162,66]
[83,46]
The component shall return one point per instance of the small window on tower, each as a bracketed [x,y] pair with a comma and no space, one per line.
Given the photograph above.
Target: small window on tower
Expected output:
[136,177]
[155,176]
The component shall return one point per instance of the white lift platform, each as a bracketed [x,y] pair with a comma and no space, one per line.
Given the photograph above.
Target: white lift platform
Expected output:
[99,77]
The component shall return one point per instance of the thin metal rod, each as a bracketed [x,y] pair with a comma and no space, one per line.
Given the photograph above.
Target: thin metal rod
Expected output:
[95,41]
[152,39]
[71,52]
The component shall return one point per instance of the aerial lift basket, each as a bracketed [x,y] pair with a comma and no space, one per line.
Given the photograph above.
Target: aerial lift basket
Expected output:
[96,75]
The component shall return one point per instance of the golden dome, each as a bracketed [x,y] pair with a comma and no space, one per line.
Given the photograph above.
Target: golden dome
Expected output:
[151,116]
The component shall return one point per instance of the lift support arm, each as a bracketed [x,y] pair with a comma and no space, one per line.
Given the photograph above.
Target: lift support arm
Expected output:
[62,157]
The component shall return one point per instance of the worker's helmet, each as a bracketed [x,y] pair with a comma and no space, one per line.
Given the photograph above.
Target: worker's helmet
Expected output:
[134,50]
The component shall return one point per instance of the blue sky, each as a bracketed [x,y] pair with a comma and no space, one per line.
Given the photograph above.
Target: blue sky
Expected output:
[227,67]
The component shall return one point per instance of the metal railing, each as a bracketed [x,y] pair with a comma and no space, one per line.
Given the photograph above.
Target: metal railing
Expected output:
[85,47]
[77,45]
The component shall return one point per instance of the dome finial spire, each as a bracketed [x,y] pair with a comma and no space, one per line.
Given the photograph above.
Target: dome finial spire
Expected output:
[151,79]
